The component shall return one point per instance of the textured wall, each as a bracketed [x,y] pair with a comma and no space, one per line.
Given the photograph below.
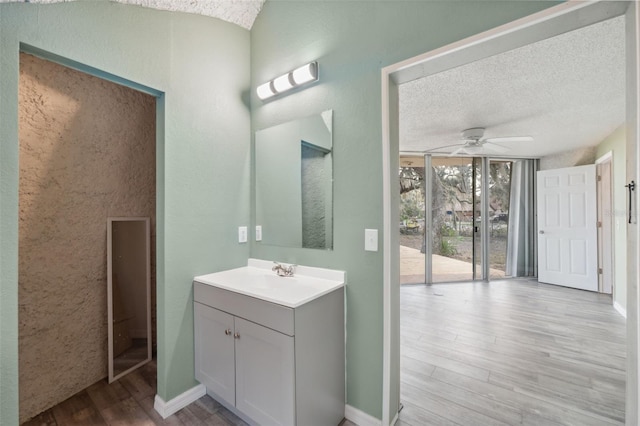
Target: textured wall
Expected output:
[313,198]
[578,157]
[87,152]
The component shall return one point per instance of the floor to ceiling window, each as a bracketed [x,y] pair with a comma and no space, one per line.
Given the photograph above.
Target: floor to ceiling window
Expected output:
[465,218]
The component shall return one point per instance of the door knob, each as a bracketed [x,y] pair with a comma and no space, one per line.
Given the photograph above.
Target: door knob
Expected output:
[541,232]
[236,335]
[227,332]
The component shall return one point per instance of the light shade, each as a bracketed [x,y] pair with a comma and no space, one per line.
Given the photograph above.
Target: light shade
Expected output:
[305,73]
[265,90]
[302,75]
[282,83]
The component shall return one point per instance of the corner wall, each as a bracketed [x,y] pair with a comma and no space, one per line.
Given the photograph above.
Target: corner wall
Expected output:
[573,158]
[203,153]
[352,42]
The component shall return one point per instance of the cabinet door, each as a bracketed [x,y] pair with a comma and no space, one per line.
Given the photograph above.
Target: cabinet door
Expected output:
[265,382]
[214,351]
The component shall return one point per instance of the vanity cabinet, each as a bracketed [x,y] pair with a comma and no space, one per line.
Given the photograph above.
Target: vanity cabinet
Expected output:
[244,363]
[271,364]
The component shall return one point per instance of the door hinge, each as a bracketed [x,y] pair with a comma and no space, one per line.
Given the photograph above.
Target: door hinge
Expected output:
[599,271]
[599,224]
[599,178]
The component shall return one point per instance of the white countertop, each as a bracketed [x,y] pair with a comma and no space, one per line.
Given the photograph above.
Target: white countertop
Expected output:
[258,280]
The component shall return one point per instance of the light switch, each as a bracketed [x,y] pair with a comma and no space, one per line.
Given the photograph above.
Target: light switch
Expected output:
[371,239]
[242,234]
[258,233]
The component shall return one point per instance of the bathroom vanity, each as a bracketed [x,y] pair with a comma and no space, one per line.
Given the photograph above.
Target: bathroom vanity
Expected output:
[271,348]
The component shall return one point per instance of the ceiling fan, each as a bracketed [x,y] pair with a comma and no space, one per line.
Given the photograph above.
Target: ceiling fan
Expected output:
[473,142]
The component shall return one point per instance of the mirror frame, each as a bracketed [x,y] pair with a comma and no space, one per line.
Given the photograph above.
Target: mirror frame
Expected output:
[110,221]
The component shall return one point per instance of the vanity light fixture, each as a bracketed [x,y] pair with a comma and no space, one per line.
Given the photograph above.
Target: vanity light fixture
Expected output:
[302,75]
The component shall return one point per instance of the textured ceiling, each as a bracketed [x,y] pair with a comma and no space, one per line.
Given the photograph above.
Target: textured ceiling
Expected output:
[240,12]
[567,92]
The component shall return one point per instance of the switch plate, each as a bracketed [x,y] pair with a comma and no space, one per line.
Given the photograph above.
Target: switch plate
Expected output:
[242,234]
[258,233]
[371,239]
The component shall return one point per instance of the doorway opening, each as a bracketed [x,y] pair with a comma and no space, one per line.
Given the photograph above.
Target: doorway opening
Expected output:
[554,21]
[87,152]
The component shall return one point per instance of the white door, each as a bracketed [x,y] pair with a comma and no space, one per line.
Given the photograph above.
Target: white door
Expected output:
[214,351]
[567,232]
[265,374]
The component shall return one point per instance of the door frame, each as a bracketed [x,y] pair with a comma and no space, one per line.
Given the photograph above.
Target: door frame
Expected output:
[530,29]
[605,206]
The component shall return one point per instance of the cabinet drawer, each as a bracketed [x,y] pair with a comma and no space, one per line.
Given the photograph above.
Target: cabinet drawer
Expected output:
[271,315]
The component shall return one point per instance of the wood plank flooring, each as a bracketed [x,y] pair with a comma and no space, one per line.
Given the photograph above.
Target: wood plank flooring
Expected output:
[514,352]
[129,401]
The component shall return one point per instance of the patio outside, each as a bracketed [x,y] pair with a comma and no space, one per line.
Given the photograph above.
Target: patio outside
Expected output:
[456,214]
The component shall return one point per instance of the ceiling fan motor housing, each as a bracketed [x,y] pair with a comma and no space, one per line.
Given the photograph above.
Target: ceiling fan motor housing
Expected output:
[475,133]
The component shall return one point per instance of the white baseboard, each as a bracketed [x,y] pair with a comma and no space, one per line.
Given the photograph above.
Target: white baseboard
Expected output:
[360,417]
[165,409]
[618,307]
[395,418]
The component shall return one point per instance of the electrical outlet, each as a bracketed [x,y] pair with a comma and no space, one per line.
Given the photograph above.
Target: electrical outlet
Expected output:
[371,239]
[258,233]
[242,234]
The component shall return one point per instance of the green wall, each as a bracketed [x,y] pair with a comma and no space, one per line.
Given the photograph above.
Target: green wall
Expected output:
[616,144]
[352,41]
[203,154]
[202,65]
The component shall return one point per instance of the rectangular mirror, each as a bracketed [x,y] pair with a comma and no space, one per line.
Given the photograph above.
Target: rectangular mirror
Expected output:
[128,294]
[294,183]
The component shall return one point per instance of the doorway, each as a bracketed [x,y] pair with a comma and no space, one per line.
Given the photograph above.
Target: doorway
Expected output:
[87,152]
[556,20]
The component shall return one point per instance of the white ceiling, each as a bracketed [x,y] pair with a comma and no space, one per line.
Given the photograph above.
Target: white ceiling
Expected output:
[239,12]
[567,92]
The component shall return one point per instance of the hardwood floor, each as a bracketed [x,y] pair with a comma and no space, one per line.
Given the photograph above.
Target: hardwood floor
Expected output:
[510,352]
[129,401]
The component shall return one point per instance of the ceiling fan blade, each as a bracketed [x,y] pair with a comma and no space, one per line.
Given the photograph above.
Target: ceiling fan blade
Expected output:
[443,147]
[460,150]
[489,146]
[510,139]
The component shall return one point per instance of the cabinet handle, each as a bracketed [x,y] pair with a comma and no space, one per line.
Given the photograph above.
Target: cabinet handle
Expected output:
[236,335]
[227,332]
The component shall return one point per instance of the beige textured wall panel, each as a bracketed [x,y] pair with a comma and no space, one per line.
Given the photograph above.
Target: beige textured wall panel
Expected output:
[574,158]
[87,152]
